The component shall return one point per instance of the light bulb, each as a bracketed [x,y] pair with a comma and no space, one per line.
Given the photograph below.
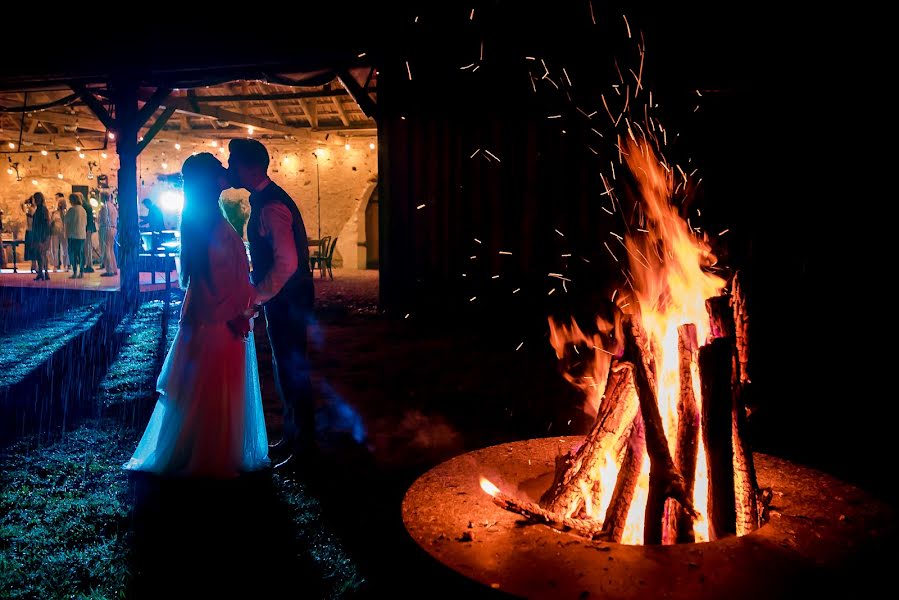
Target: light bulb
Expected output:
[103,154]
[250,130]
[81,155]
[177,146]
[222,150]
[346,146]
[77,148]
[59,175]
[213,143]
[112,135]
[165,165]
[44,153]
[10,171]
[12,145]
[34,182]
[371,146]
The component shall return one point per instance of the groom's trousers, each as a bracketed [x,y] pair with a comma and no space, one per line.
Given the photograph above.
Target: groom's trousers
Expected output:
[287,316]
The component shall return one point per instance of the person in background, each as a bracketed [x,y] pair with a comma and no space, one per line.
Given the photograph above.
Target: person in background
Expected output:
[40,236]
[2,247]
[28,209]
[76,232]
[59,243]
[88,266]
[109,223]
[153,221]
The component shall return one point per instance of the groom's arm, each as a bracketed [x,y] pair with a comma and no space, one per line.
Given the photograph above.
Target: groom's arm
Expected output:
[276,225]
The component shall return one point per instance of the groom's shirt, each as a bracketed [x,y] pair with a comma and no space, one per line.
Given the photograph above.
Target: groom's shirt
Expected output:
[274,243]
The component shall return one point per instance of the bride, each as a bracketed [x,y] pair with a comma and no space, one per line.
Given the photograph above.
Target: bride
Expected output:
[208,421]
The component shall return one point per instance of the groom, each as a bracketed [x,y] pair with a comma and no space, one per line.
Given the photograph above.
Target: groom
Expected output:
[281,273]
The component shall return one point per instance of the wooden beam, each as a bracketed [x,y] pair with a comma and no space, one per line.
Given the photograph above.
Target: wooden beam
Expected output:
[152,104]
[82,122]
[185,123]
[277,113]
[95,106]
[325,93]
[69,140]
[311,113]
[340,111]
[157,126]
[32,125]
[233,117]
[185,106]
[360,95]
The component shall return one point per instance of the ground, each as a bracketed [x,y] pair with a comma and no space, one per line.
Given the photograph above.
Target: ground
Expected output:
[395,397]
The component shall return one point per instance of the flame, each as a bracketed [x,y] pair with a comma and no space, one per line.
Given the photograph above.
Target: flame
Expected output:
[585,363]
[669,281]
[489,487]
[633,524]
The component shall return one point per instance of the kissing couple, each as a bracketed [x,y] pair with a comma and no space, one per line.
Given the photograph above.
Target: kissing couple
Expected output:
[208,420]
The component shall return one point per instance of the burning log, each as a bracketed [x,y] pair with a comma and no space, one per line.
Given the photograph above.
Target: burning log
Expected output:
[628,474]
[721,317]
[747,493]
[715,370]
[665,481]
[583,471]
[741,327]
[587,528]
[688,424]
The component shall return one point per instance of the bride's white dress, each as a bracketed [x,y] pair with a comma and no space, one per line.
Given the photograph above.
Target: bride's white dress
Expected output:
[208,421]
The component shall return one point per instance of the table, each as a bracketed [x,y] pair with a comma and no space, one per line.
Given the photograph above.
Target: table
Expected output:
[12,243]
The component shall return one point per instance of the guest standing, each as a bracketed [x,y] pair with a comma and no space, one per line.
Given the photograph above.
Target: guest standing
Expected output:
[59,243]
[89,239]
[40,235]
[109,223]
[76,232]
[28,209]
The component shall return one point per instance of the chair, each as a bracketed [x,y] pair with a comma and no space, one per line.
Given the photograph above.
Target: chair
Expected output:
[323,260]
[316,255]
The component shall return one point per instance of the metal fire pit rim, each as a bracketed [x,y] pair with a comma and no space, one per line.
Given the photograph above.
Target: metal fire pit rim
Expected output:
[815,519]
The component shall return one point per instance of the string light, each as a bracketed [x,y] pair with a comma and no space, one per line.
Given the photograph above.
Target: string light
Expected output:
[9,170]
[103,154]
[59,175]
[44,153]
[346,146]
[81,155]
[371,146]
[12,145]
[165,165]
[177,146]
[78,149]
[250,130]
[214,143]
[222,150]
[34,182]
[112,136]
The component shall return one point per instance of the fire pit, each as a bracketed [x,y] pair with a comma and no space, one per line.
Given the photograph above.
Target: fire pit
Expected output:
[816,524]
[663,496]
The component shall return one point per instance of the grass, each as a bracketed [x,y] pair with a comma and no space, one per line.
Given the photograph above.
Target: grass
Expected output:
[63,516]
[65,508]
[133,375]
[339,572]
[24,351]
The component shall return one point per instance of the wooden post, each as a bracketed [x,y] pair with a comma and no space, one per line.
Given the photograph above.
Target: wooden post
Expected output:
[127,122]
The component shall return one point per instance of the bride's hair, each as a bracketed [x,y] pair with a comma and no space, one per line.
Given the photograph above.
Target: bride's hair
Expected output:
[201,213]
